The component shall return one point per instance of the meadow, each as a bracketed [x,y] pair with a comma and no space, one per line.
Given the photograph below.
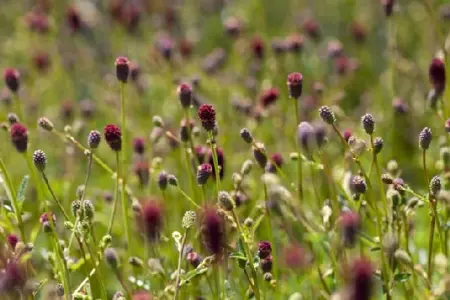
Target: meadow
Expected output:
[214,149]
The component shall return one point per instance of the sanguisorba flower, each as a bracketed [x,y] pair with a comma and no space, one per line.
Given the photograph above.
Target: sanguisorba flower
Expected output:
[436,74]
[12,79]
[220,162]
[113,136]
[269,97]
[212,231]
[362,283]
[207,115]
[185,94]
[151,220]
[350,225]
[204,171]
[295,85]
[122,68]
[19,137]
[139,145]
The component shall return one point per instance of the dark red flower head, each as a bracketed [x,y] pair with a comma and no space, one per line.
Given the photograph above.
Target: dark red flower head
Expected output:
[220,162]
[185,47]
[257,45]
[233,26]
[37,22]
[73,19]
[295,85]
[201,152]
[41,61]
[358,31]
[264,249]
[294,42]
[12,79]
[19,137]
[44,218]
[350,225]
[388,6]
[141,169]
[113,136]
[207,116]
[312,28]
[347,134]
[135,71]
[13,278]
[131,15]
[152,220]
[295,256]
[269,97]
[436,74]
[342,64]
[139,145]
[362,282]
[204,171]
[122,68]
[13,240]
[447,125]
[212,227]
[277,159]
[116,8]
[185,95]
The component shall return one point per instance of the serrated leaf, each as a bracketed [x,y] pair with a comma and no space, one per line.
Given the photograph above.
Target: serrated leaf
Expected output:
[22,188]
[402,277]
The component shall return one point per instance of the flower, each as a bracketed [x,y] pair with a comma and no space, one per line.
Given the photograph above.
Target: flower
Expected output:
[94,139]
[139,145]
[212,231]
[264,249]
[204,171]
[436,74]
[295,85]
[207,116]
[362,283]
[152,220]
[185,94]
[425,138]
[220,162]
[39,160]
[269,97]
[113,137]
[350,225]
[12,79]
[19,137]
[122,68]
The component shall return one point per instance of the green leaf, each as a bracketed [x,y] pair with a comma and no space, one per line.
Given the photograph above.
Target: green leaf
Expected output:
[402,277]
[21,192]
[377,248]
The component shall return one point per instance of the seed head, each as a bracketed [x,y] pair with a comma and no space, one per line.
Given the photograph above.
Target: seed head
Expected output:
[185,95]
[266,264]
[436,74]
[264,249]
[94,139]
[194,259]
[139,145]
[189,219]
[387,179]
[152,220]
[19,137]
[12,79]
[425,138]
[112,257]
[225,201]
[435,185]
[295,85]
[113,137]
[207,116]
[362,283]
[39,160]
[12,240]
[358,184]
[306,136]
[76,206]
[378,144]
[12,118]
[212,231]
[259,152]
[350,225]
[269,97]
[327,115]
[89,209]
[162,180]
[45,221]
[122,68]
[204,171]
[172,180]
[368,123]
[45,124]
[246,135]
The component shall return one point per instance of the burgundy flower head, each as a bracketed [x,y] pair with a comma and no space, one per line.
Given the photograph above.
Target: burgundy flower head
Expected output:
[264,249]
[257,45]
[139,145]
[358,32]
[207,115]
[295,256]
[135,71]
[37,22]
[388,6]
[347,134]
[113,136]
[19,137]
[447,125]
[269,97]
[12,79]
[73,19]
[152,220]
[142,295]
[362,282]
[295,85]
[204,171]
[13,240]
[201,152]
[294,42]
[312,28]
[277,159]
[212,231]
[44,218]
[13,278]
[185,46]
[436,74]
[131,15]
[122,68]
[185,95]
[41,61]
[220,162]
[350,225]
[141,169]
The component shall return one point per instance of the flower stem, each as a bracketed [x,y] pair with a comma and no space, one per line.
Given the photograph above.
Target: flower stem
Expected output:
[215,161]
[116,195]
[123,167]
[299,160]
[180,257]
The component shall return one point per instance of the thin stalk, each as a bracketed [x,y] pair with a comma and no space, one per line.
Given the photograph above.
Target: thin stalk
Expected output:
[188,198]
[180,257]
[215,161]
[432,221]
[123,167]
[270,231]
[380,183]
[248,254]
[47,183]
[19,109]
[14,201]
[299,160]
[116,195]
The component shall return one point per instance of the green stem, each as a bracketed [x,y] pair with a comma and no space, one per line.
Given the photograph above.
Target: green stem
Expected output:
[116,195]
[66,216]
[180,257]
[299,160]
[14,200]
[215,161]
[19,109]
